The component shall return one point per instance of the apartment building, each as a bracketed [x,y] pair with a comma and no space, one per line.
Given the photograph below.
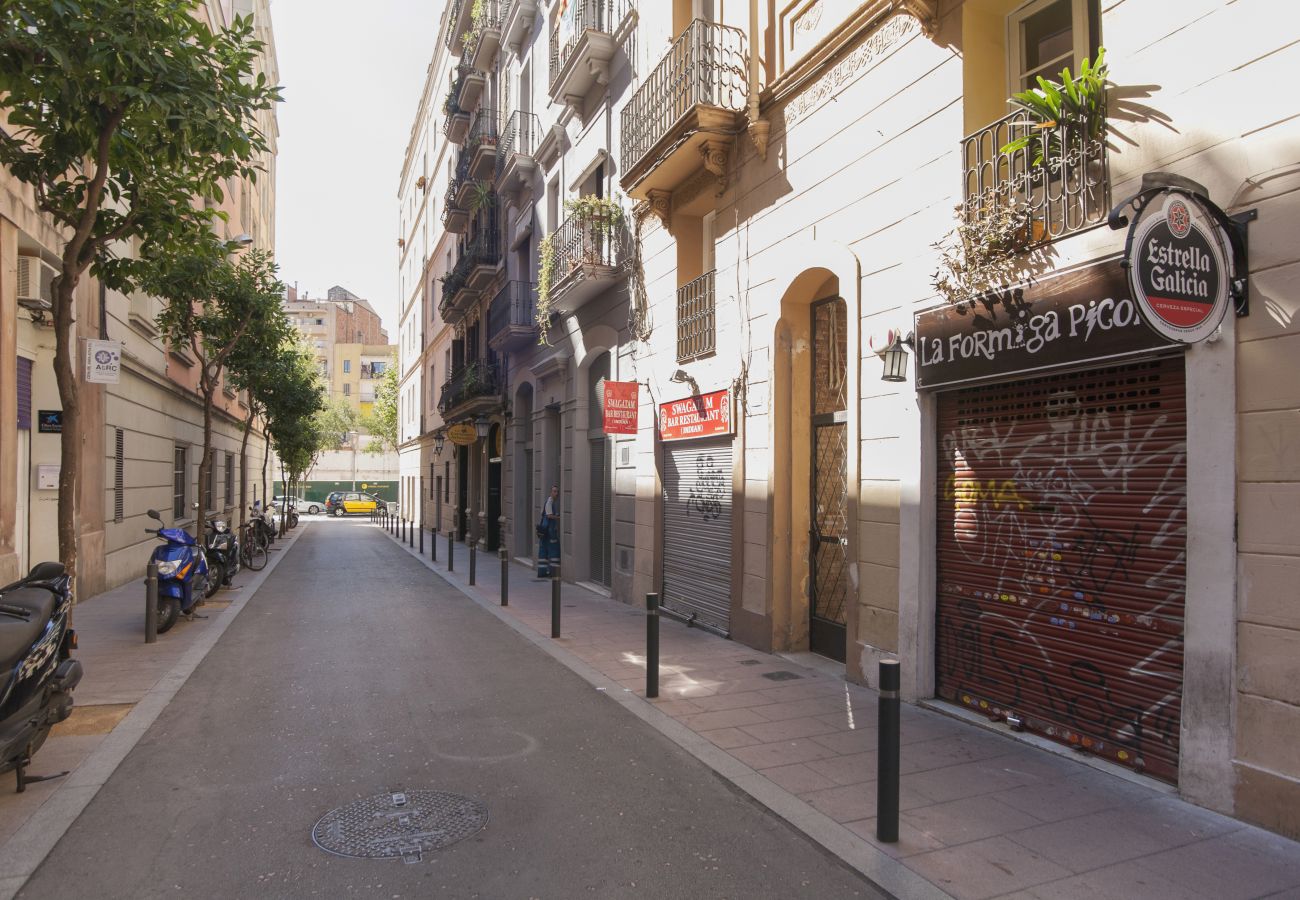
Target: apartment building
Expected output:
[143,436]
[1066,501]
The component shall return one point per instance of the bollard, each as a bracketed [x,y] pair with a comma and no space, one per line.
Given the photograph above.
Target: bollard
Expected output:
[422,535]
[433,542]
[555,600]
[451,550]
[887,753]
[151,603]
[652,645]
[410,534]
[505,576]
[473,560]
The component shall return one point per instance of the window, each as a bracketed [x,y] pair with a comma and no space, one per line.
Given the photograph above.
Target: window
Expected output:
[446,482]
[178,483]
[230,479]
[1045,36]
[347,367]
[119,459]
[347,390]
[209,489]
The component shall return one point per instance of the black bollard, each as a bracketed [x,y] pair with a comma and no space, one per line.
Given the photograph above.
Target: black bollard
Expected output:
[151,603]
[555,600]
[422,535]
[652,645]
[887,753]
[451,551]
[473,561]
[433,544]
[505,576]
[410,534]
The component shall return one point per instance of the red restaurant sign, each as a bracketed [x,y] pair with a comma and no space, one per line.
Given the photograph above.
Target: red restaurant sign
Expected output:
[704,415]
[620,407]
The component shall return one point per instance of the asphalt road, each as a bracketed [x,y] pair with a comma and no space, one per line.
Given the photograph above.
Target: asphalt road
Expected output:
[355,671]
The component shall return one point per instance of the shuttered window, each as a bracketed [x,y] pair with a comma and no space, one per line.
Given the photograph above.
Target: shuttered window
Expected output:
[697,531]
[178,484]
[119,458]
[230,479]
[24,394]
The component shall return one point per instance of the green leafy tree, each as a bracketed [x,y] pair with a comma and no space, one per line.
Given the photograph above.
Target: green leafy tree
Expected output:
[381,423]
[291,401]
[123,117]
[215,307]
[333,423]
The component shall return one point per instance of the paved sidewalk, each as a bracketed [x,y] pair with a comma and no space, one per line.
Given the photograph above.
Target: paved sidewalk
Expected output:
[983,815]
[126,684]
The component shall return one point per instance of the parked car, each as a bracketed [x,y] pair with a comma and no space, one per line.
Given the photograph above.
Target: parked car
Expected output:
[301,504]
[343,503]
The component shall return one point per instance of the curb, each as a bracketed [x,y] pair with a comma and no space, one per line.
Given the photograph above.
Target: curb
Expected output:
[23,854]
[881,869]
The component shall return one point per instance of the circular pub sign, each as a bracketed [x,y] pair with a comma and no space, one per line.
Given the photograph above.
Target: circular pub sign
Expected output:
[463,434]
[1179,268]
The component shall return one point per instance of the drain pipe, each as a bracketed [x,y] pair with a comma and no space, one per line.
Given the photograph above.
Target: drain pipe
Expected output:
[758,126]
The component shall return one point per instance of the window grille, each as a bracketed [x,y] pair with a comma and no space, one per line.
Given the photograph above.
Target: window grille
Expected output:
[119,499]
[696,321]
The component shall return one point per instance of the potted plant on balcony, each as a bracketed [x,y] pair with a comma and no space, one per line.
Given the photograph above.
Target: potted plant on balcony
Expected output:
[1071,111]
[601,218]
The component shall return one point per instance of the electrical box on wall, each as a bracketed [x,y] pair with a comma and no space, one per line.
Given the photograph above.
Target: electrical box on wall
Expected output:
[47,478]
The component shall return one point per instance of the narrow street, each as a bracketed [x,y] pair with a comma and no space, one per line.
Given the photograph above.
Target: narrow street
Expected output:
[355,672]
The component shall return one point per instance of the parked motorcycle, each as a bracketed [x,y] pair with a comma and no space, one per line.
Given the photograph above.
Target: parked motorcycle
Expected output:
[183,577]
[221,546]
[39,672]
[263,522]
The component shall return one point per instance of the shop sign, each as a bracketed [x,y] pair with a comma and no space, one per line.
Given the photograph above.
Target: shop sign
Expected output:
[103,362]
[49,421]
[464,434]
[1178,268]
[1071,317]
[704,415]
[620,407]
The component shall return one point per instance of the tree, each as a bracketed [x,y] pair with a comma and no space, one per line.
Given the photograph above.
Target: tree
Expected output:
[123,118]
[291,398]
[382,421]
[215,307]
[333,423]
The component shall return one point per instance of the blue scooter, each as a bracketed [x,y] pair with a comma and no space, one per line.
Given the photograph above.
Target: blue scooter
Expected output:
[182,573]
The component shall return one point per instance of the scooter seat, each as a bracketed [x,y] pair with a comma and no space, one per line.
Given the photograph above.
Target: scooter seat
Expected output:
[16,633]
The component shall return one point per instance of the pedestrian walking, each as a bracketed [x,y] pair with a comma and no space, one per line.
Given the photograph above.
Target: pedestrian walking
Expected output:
[548,535]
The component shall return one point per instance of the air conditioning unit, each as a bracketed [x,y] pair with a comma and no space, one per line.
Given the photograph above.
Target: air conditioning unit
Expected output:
[35,283]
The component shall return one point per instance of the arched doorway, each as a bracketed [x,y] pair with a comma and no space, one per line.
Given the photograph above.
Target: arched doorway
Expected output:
[828,559]
[600,509]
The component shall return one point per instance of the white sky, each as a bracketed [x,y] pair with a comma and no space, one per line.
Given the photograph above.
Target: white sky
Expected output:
[352,75]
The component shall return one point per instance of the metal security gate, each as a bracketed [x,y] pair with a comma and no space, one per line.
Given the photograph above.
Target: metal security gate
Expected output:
[697,532]
[601,515]
[1061,557]
[828,545]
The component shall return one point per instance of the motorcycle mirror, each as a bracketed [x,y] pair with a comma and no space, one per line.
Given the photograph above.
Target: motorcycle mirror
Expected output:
[153,514]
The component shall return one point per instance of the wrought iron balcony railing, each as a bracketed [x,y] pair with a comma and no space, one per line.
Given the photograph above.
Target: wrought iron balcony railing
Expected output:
[453,20]
[484,130]
[471,381]
[598,238]
[515,306]
[1067,190]
[520,136]
[705,66]
[579,17]
[696,320]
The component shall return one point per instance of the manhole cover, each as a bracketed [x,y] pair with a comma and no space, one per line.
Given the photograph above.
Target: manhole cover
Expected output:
[780,676]
[402,824]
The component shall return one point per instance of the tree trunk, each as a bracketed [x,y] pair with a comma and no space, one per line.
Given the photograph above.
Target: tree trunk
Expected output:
[243,467]
[209,388]
[65,375]
[266,458]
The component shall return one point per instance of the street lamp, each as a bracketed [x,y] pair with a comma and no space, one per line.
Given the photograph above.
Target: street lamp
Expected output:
[439,438]
[482,426]
[896,360]
[352,439]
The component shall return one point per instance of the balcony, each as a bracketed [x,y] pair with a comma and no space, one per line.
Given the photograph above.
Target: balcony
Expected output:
[518,24]
[697,326]
[458,25]
[455,218]
[485,32]
[512,318]
[588,255]
[477,266]
[473,389]
[516,165]
[1068,191]
[583,44]
[686,114]
[469,87]
[482,145]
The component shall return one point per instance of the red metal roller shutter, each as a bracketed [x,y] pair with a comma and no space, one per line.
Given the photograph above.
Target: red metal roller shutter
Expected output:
[1061,557]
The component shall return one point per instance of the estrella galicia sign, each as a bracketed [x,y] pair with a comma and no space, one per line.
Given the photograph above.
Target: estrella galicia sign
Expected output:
[1178,268]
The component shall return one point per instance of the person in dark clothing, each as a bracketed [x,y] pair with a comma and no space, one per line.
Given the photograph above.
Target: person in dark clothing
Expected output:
[548,535]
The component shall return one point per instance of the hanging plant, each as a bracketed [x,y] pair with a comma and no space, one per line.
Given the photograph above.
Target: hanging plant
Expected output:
[546,250]
[1074,107]
[984,253]
[603,213]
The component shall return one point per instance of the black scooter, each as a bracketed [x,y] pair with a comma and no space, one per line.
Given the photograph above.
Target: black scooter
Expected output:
[36,665]
[221,547]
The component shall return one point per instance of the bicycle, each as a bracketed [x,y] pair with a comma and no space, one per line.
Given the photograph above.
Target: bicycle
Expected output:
[252,548]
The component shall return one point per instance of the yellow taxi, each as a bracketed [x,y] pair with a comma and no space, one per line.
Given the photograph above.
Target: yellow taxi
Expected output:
[353,502]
